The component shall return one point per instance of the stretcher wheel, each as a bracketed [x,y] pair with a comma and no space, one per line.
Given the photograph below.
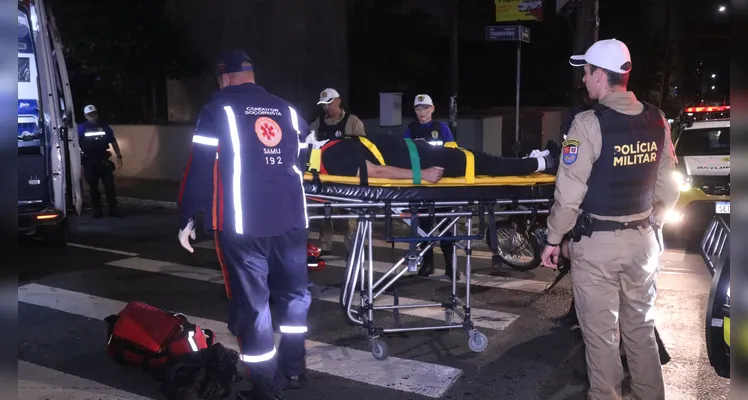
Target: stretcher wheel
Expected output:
[477,342]
[379,349]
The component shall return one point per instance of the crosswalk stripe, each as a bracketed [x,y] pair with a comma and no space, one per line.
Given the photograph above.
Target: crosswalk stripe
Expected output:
[38,382]
[430,380]
[83,246]
[490,319]
[498,282]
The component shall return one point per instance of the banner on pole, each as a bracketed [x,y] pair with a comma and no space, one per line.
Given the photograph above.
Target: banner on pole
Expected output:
[519,10]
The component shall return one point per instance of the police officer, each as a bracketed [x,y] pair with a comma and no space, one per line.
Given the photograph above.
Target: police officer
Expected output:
[436,133]
[243,174]
[335,123]
[614,185]
[94,138]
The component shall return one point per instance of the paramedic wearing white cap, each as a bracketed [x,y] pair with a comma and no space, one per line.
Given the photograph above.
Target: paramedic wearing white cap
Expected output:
[94,138]
[435,133]
[614,185]
[335,123]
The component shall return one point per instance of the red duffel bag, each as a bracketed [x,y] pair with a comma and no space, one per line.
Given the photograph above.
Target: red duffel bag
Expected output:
[146,336]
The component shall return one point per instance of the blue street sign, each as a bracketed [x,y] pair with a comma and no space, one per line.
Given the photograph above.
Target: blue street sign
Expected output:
[508,33]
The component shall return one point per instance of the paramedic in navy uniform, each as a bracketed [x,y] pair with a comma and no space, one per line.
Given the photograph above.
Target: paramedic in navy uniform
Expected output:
[243,174]
[435,133]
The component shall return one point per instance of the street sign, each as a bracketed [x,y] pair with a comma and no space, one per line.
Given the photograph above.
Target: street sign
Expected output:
[508,33]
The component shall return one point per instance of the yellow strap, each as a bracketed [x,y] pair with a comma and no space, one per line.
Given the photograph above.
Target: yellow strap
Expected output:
[315,160]
[452,145]
[469,166]
[373,149]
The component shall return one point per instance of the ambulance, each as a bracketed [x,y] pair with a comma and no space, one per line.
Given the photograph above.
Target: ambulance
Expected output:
[49,169]
[702,171]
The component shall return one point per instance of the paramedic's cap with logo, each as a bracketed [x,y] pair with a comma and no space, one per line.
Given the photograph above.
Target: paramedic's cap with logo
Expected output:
[89,109]
[232,60]
[327,96]
[610,54]
[423,100]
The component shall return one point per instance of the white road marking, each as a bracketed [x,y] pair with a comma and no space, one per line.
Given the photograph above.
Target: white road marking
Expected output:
[490,319]
[38,382]
[426,379]
[83,246]
[498,282]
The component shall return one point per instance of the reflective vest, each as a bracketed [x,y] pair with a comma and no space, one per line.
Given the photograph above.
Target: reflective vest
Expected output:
[331,132]
[431,133]
[623,178]
[94,143]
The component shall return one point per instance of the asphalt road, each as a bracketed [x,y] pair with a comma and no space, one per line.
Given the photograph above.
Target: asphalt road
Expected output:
[64,295]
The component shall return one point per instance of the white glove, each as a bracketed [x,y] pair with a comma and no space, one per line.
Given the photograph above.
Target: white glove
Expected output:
[538,154]
[186,234]
[311,139]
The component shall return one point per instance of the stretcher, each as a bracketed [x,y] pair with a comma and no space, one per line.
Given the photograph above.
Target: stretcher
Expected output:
[452,202]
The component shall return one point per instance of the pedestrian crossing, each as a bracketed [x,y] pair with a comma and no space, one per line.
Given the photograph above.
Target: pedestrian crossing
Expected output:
[427,379]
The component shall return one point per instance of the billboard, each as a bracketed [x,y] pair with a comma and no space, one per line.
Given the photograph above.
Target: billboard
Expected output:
[519,10]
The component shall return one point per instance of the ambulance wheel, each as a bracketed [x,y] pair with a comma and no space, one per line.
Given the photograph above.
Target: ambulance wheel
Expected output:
[477,342]
[379,349]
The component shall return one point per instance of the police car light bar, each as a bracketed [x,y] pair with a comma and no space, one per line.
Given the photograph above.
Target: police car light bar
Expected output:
[707,109]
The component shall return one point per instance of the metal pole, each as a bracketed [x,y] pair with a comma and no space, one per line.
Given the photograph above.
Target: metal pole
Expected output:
[516,113]
[454,65]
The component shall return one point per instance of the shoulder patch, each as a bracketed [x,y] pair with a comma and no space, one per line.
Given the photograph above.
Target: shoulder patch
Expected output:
[268,131]
[569,152]
[434,134]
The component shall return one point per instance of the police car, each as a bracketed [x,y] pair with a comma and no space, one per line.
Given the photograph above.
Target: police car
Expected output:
[703,169]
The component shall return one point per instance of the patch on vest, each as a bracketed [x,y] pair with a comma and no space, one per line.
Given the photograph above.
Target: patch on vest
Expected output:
[338,134]
[434,134]
[569,153]
[268,131]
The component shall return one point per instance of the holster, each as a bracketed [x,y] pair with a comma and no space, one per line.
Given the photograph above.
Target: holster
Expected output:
[584,227]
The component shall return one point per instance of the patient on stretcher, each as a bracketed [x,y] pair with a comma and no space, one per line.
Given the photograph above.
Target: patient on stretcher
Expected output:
[391,157]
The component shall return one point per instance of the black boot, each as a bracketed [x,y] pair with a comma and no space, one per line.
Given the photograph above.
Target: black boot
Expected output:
[427,269]
[664,355]
[570,319]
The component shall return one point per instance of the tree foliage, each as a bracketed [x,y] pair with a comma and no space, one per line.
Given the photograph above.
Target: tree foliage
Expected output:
[119,55]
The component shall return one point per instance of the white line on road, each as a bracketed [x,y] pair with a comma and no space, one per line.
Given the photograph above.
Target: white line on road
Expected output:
[38,382]
[498,282]
[83,246]
[490,319]
[430,380]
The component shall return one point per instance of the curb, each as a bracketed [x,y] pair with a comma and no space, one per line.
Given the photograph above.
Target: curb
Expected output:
[146,203]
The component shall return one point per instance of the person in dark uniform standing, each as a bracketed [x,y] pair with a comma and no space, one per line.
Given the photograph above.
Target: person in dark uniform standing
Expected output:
[583,103]
[435,133]
[335,123]
[94,138]
[244,175]
[613,188]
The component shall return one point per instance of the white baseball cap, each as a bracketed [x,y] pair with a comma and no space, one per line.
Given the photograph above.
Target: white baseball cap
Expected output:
[423,100]
[327,96]
[89,109]
[610,54]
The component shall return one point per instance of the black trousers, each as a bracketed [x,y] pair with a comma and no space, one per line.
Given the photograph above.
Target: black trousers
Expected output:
[99,169]
[486,164]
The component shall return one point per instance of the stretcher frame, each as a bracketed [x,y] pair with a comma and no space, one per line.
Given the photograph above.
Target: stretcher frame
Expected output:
[359,270]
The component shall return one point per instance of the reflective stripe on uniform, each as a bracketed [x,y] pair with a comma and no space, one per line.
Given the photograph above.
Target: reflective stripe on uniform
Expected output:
[236,181]
[259,358]
[295,124]
[91,134]
[293,329]
[208,141]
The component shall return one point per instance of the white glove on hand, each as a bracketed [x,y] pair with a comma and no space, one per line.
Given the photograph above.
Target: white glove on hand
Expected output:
[312,139]
[537,153]
[186,234]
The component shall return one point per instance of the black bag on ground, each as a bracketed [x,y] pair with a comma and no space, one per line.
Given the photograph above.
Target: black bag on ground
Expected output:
[209,374]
